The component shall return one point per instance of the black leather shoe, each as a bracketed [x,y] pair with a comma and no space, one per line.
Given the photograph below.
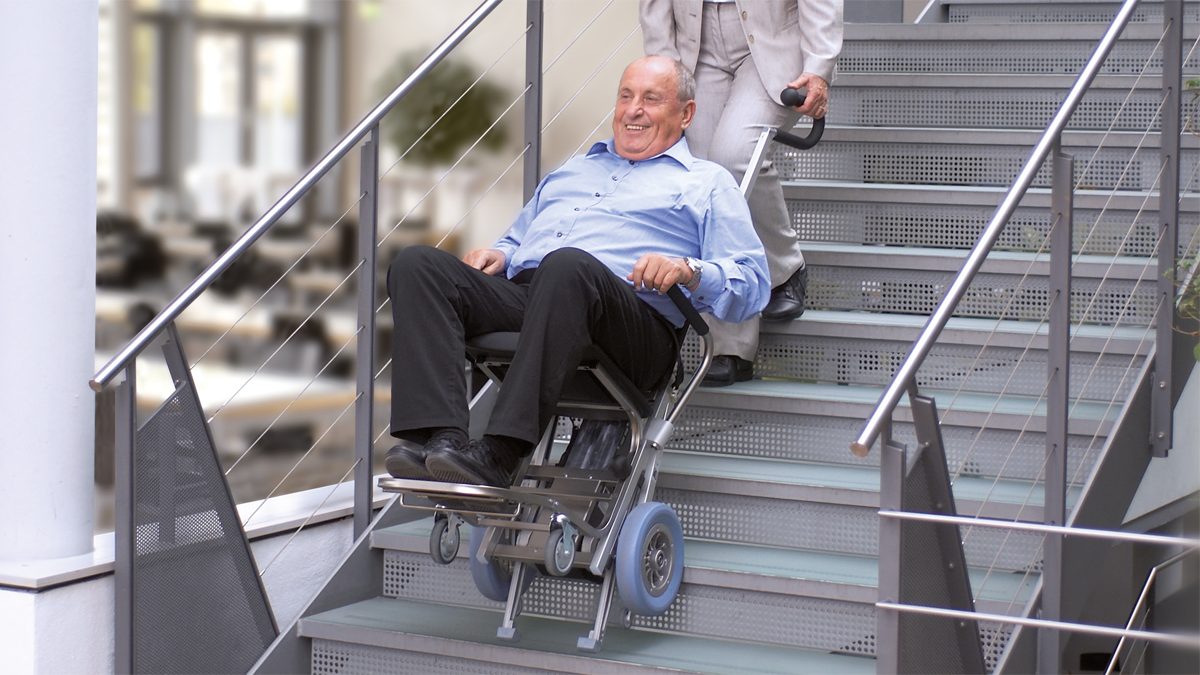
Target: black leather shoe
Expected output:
[475,463]
[407,460]
[787,299]
[727,369]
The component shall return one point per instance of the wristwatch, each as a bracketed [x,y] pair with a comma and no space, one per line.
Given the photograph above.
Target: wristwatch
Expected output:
[693,265]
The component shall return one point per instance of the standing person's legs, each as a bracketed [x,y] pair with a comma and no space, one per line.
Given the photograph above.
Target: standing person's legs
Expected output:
[437,303]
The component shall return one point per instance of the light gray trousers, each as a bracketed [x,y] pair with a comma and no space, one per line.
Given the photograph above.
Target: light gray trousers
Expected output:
[731,109]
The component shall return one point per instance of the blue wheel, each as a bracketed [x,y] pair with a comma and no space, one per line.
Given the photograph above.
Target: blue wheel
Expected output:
[491,578]
[649,558]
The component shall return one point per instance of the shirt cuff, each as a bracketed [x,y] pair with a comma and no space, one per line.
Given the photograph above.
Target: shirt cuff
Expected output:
[712,281]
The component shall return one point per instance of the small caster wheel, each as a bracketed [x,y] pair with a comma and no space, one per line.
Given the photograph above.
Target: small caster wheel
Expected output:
[443,541]
[649,564]
[492,578]
[560,551]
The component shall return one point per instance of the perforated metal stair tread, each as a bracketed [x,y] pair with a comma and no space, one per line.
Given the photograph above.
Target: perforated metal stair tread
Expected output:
[768,476]
[842,401]
[956,195]
[1080,140]
[938,32]
[959,330]
[992,81]
[545,643]
[951,260]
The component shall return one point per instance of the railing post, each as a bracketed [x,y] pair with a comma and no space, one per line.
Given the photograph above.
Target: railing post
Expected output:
[1161,412]
[126,432]
[364,406]
[533,98]
[1057,394]
[891,491]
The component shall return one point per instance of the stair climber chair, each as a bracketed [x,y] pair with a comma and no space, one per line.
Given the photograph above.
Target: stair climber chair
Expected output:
[586,510]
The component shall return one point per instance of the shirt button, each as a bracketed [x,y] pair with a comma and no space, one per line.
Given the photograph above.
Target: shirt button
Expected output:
[750,38]
[614,177]
[743,16]
[631,162]
[597,194]
[576,208]
[560,233]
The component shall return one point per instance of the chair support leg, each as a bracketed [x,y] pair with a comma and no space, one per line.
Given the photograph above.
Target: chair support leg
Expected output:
[595,637]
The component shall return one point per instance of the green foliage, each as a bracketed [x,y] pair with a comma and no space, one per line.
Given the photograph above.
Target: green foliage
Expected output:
[479,108]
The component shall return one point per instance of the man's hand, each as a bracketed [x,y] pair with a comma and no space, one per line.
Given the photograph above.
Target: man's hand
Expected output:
[817,100]
[486,260]
[659,272]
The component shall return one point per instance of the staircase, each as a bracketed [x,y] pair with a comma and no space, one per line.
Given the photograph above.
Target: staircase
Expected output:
[929,124]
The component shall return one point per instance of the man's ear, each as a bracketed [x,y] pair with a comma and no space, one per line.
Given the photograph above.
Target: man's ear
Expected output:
[689,111]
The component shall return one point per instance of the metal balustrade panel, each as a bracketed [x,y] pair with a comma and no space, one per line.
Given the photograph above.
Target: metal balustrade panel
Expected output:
[1066,57]
[954,226]
[340,658]
[1003,453]
[193,575]
[1119,302]
[1044,12]
[991,108]
[967,164]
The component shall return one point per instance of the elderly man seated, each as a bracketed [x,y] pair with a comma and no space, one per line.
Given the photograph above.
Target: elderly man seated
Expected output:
[587,261]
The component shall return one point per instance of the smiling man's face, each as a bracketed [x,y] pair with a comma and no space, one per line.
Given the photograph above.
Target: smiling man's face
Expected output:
[649,118]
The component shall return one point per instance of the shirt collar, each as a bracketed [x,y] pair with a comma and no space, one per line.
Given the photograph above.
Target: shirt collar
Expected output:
[680,152]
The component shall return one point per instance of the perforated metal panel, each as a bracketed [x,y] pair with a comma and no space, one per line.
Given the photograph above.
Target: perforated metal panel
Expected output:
[915,292]
[812,623]
[948,367]
[1045,12]
[967,164]
[340,658]
[950,226]
[995,637]
[832,528]
[193,580]
[992,108]
[987,452]
[1128,57]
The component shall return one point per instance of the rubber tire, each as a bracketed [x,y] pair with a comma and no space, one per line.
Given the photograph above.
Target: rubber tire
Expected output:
[630,546]
[441,529]
[553,541]
[491,578]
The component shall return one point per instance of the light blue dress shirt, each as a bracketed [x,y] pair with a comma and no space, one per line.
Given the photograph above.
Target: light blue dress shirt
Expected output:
[673,204]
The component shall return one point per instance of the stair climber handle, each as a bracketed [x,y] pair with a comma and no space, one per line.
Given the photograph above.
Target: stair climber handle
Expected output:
[690,314]
[794,98]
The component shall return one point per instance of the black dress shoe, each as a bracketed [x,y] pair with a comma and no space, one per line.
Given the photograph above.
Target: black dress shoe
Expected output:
[476,463]
[407,459]
[727,369]
[787,300]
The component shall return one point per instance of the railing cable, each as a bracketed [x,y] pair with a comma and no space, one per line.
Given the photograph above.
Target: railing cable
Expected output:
[332,490]
[591,77]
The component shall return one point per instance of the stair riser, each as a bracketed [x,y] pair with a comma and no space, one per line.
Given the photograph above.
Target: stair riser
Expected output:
[1012,454]
[779,619]
[970,164]
[830,528]
[991,108]
[1000,57]
[940,225]
[1008,296]
[967,368]
[1097,12]
[330,657]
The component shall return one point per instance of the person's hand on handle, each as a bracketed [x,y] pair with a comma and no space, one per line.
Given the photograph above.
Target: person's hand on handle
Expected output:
[659,272]
[486,260]
[817,100]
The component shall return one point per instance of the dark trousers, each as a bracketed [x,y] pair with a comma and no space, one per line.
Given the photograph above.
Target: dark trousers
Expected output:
[570,301]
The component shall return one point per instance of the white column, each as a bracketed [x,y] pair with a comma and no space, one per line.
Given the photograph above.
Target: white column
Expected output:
[47,276]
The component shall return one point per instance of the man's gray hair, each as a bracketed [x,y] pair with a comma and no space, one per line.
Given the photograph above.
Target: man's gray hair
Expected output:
[685,84]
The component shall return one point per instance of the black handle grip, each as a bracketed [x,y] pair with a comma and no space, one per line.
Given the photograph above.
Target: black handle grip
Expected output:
[690,314]
[794,98]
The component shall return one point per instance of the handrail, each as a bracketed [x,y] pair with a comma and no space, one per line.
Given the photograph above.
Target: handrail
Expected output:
[937,321]
[340,150]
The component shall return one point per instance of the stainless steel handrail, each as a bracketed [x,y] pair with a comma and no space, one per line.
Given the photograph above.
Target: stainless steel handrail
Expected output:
[343,147]
[937,321]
